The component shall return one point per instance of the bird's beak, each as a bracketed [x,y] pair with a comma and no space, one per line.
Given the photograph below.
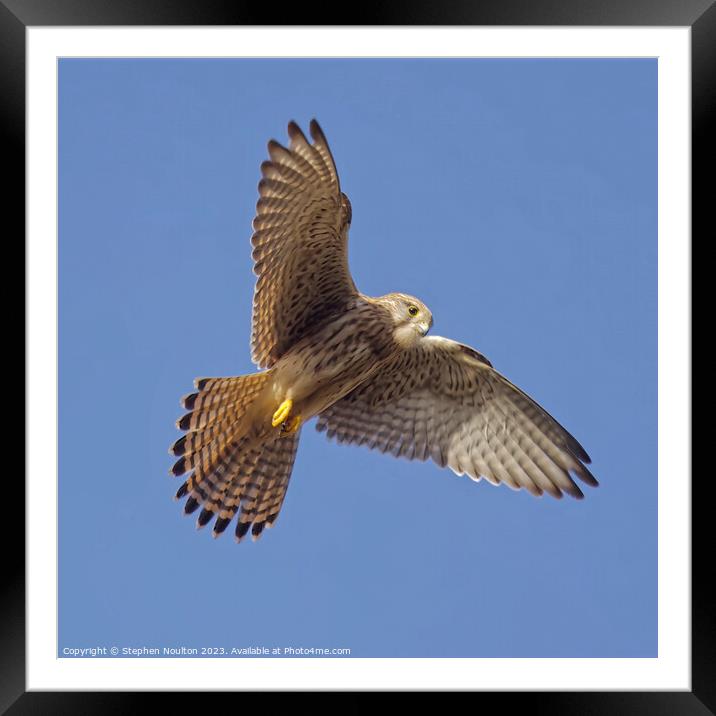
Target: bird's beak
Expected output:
[426,325]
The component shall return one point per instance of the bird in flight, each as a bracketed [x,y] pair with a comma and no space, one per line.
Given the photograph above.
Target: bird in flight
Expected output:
[364,366]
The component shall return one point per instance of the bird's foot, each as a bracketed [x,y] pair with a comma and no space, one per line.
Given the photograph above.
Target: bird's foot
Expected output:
[290,427]
[281,415]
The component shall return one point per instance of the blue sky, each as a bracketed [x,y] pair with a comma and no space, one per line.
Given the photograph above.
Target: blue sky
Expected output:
[517,198]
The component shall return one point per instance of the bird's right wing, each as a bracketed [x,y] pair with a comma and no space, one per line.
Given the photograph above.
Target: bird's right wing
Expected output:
[300,244]
[443,400]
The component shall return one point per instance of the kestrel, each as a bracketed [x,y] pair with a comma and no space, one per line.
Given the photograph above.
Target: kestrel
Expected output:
[363,365]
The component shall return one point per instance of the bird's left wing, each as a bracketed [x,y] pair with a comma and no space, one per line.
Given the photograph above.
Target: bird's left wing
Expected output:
[443,400]
[300,244]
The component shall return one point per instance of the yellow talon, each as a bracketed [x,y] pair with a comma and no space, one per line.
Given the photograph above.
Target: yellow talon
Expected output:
[284,410]
[290,428]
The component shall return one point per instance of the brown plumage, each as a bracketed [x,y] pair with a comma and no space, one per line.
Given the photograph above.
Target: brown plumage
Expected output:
[363,365]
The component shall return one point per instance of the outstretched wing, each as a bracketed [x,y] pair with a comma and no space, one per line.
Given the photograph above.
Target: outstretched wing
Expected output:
[300,244]
[443,400]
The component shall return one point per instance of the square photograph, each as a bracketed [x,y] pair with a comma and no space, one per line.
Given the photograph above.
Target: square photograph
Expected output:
[386,329]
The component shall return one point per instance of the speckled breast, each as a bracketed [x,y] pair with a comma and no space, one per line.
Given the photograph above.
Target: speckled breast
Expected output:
[335,358]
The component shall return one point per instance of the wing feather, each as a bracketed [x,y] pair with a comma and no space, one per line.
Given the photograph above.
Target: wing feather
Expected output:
[443,400]
[299,244]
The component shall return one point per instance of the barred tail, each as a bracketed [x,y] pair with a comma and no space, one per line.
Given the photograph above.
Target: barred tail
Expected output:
[231,470]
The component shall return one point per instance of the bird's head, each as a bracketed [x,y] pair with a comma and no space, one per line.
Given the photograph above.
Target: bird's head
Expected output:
[411,317]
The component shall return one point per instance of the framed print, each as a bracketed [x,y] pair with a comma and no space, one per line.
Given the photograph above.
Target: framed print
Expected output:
[516,188]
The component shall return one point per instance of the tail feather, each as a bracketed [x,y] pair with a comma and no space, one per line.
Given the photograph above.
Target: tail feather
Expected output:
[220,400]
[208,487]
[263,497]
[193,442]
[231,473]
[203,418]
[278,471]
[214,427]
[212,391]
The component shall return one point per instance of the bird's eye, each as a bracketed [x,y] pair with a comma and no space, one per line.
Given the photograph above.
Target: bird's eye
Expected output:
[413,310]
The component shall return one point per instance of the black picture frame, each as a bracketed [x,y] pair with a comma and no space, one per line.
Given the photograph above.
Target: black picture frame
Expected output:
[700,15]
